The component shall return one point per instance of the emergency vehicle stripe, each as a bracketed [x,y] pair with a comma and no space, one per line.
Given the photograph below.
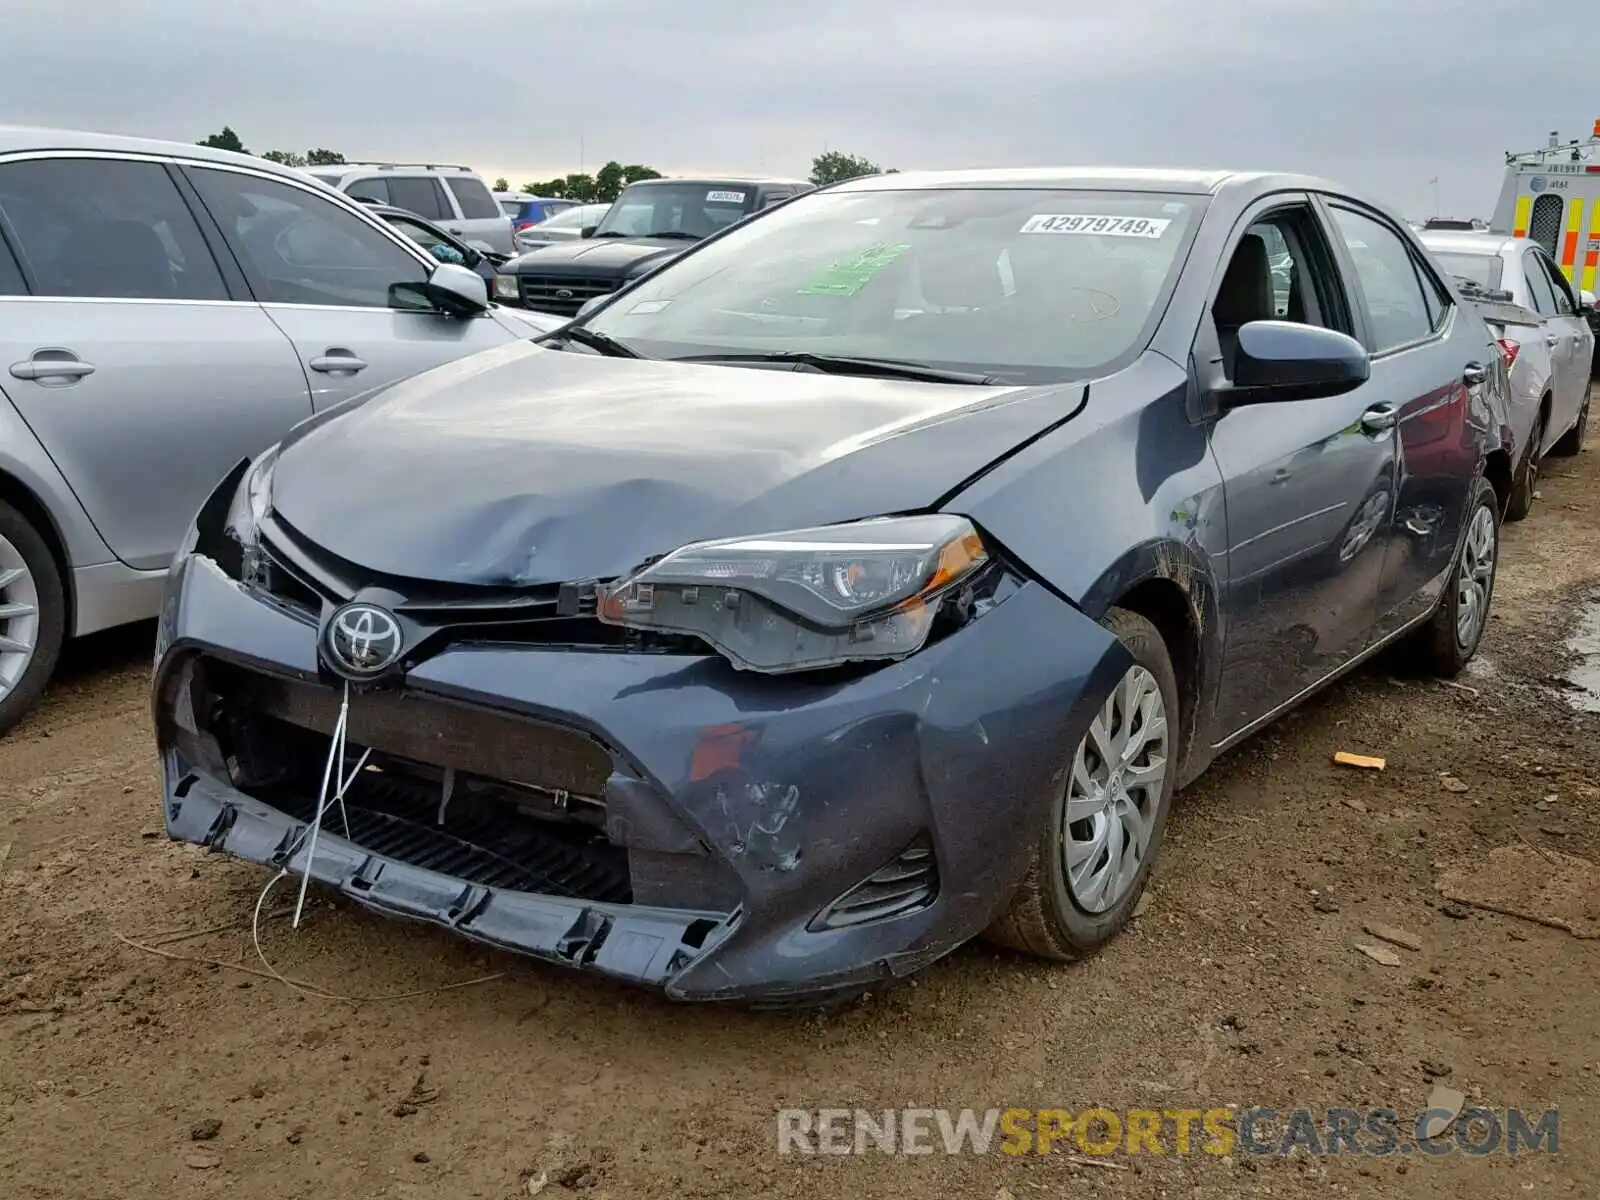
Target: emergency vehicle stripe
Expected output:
[1569,247]
[1524,209]
[1591,256]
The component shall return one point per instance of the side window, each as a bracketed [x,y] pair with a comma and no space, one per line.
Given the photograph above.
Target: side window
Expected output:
[472,198]
[1281,270]
[1544,299]
[420,194]
[1397,309]
[428,239]
[107,229]
[1434,295]
[370,189]
[1566,306]
[298,248]
[11,281]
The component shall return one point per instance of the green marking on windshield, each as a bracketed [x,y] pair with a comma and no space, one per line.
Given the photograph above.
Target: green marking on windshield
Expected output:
[847,276]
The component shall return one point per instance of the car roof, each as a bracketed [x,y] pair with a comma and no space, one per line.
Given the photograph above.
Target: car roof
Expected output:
[15,139]
[1460,241]
[1193,181]
[742,180]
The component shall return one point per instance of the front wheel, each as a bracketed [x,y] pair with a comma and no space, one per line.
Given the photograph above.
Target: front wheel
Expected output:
[1448,642]
[1106,821]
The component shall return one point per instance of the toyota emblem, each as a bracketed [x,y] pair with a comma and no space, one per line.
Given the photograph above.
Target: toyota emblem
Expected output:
[363,641]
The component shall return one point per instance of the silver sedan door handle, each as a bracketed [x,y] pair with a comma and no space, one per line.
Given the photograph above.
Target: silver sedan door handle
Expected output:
[1552,340]
[338,361]
[46,368]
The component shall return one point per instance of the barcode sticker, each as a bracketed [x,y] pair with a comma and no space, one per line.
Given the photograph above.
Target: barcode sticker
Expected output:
[1092,223]
[724,197]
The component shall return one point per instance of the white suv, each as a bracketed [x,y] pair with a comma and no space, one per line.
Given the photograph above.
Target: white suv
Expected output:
[454,197]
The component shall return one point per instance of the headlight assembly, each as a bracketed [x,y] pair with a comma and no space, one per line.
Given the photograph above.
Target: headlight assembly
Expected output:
[505,287]
[251,504]
[806,598]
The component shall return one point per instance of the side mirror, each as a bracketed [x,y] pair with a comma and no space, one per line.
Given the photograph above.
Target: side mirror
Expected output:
[1284,360]
[587,231]
[1585,301]
[448,289]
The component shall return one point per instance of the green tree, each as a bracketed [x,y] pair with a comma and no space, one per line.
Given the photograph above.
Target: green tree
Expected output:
[287,157]
[226,140]
[602,187]
[835,166]
[502,184]
[324,158]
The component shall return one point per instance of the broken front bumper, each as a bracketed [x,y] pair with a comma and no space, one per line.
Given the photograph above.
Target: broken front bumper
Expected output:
[764,838]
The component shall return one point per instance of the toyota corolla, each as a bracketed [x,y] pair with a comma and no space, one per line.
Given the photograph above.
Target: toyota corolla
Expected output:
[865,580]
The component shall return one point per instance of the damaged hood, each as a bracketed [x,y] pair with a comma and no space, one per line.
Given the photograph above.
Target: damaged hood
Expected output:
[524,465]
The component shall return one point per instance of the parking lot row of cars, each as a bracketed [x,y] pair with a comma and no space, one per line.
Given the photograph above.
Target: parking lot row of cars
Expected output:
[836,575]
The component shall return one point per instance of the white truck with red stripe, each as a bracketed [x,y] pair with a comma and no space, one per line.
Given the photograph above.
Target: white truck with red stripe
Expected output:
[1552,195]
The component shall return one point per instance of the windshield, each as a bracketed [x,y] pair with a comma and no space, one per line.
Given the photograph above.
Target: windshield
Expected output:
[1024,285]
[1481,269]
[697,209]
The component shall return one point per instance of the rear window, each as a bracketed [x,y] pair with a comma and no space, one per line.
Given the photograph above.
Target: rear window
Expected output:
[511,207]
[474,200]
[1481,269]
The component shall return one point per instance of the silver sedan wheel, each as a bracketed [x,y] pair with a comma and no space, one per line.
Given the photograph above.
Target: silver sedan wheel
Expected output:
[1366,523]
[19,617]
[1114,793]
[1475,578]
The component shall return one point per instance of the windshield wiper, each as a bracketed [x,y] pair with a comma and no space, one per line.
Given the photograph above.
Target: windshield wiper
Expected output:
[603,342]
[846,364]
[615,233]
[673,233]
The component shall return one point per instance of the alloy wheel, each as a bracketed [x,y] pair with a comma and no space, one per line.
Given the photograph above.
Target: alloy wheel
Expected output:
[1475,577]
[1366,523]
[19,616]
[1118,774]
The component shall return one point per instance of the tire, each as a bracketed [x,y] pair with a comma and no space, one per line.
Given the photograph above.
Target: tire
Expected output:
[1443,647]
[1046,916]
[1572,440]
[34,604]
[1520,503]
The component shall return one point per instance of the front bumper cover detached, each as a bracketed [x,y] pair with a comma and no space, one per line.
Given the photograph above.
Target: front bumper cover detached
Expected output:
[744,806]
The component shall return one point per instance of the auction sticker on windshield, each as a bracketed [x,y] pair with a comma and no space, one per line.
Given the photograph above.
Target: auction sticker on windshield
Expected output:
[847,276]
[724,197]
[1145,227]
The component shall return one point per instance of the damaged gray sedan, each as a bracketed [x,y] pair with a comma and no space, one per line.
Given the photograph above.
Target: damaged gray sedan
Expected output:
[866,579]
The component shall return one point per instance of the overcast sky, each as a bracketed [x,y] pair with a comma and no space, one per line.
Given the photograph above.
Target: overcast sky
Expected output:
[1383,96]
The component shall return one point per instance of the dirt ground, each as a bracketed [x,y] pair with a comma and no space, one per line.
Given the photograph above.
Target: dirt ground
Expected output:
[1239,985]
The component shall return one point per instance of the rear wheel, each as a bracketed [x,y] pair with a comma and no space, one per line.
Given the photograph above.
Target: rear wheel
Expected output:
[1106,822]
[1572,441]
[1520,502]
[32,616]
[1448,642]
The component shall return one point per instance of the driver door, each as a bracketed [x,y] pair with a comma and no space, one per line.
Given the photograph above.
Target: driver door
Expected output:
[323,273]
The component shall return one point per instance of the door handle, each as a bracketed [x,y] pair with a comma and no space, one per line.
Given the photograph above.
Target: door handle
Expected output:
[1379,418]
[1551,340]
[51,368]
[1474,374]
[1281,476]
[337,362]
[453,230]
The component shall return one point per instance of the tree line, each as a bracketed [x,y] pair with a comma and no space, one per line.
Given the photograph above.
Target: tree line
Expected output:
[600,187]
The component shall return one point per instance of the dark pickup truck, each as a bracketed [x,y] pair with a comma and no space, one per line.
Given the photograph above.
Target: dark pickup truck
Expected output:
[651,222]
